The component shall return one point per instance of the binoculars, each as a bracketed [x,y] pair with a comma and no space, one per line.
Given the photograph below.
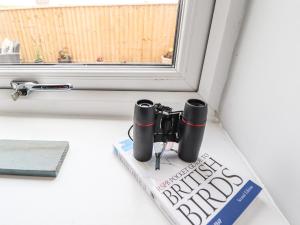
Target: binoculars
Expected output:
[158,123]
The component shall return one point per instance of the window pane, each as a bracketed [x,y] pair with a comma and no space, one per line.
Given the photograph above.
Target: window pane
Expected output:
[87,31]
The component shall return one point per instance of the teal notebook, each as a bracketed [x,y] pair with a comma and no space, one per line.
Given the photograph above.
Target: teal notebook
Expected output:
[32,158]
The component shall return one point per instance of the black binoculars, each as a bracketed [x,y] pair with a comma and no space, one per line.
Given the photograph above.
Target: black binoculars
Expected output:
[158,123]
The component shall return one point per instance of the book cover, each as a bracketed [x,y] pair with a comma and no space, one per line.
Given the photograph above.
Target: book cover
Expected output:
[203,192]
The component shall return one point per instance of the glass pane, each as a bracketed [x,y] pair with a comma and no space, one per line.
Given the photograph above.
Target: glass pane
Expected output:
[87,31]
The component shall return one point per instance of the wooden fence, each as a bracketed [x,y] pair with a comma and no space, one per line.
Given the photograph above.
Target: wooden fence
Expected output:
[129,33]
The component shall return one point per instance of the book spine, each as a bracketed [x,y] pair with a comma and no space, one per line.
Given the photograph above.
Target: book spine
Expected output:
[143,184]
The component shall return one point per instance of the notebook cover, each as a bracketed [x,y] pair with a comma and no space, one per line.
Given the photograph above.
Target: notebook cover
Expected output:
[32,158]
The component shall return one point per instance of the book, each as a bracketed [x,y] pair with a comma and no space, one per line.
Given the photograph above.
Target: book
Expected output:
[204,192]
[32,158]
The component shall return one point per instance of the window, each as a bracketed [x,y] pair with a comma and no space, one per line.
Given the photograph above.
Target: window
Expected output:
[107,45]
[88,31]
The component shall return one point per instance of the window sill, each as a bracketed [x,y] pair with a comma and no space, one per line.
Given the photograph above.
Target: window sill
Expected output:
[93,186]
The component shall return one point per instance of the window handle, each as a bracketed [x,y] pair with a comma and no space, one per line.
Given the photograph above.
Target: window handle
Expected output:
[24,88]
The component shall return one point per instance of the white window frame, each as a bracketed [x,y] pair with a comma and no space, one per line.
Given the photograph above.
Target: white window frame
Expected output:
[183,76]
[165,84]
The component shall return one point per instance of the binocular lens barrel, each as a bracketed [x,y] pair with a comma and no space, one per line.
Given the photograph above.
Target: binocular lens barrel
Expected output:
[191,129]
[143,129]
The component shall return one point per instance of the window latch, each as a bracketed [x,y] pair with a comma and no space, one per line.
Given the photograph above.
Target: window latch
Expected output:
[24,88]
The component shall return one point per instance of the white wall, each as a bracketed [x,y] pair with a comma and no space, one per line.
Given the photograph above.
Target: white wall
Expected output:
[261,103]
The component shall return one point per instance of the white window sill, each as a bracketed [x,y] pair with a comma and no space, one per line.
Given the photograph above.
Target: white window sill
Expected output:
[93,187]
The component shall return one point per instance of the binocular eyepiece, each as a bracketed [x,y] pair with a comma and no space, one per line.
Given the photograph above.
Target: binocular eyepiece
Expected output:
[158,123]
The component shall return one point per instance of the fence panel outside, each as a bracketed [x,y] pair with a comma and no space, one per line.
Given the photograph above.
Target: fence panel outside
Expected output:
[113,34]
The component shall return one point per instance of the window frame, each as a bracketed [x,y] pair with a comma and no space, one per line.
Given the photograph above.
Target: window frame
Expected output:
[184,75]
[226,23]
